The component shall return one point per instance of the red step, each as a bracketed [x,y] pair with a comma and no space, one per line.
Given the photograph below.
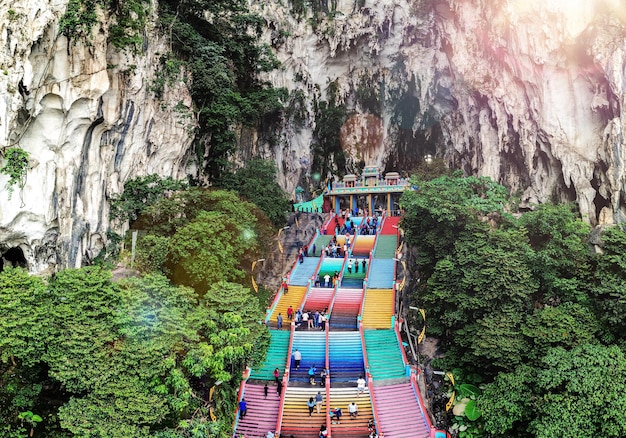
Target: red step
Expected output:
[389,228]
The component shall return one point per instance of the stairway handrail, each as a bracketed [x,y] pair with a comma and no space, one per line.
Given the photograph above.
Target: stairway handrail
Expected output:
[281,405]
[370,379]
[242,386]
[400,346]
[369,266]
[420,400]
[327,358]
[332,303]
[366,364]
[370,382]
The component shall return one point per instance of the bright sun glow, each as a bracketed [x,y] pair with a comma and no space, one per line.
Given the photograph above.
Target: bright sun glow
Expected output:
[576,14]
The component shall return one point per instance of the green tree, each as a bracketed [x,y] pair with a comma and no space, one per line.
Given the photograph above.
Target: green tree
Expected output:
[212,235]
[22,344]
[506,403]
[478,296]
[607,285]
[139,193]
[21,337]
[209,249]
[581,393]
[561,260]
[256,182]
[444,210]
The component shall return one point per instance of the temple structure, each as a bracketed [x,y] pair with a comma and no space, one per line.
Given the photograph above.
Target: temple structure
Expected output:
[371,191]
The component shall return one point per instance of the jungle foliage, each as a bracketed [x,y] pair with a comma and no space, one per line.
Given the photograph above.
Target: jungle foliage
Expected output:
[217,42]
[523,307]
[328,155]
[257,183]
[89,357]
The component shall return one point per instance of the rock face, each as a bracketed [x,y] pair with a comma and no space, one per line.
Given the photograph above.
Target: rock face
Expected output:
[85,115]
[530,93]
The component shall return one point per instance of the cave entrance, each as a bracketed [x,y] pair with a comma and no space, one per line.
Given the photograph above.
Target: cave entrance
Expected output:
[13,257]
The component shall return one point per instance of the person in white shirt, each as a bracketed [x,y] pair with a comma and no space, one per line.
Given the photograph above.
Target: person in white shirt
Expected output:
[360,386]
[353,409]
[297,357]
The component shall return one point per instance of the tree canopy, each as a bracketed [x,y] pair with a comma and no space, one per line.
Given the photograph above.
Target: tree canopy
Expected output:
[103,359]
[522,304]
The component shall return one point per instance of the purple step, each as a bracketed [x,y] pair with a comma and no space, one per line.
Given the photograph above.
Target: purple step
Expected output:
[262,413]
[399,413]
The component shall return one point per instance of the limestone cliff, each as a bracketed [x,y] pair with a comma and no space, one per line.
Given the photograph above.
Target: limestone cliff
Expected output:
[84,113]
[529,92]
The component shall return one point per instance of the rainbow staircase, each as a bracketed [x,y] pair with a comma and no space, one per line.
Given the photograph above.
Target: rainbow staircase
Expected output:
[346,308]
[391,398]
[312,346]
[384,356]
[293,298]
[262,412]
[396,407]
[345,356]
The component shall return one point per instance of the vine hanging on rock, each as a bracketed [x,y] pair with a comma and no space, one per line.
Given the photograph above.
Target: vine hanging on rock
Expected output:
[15,167]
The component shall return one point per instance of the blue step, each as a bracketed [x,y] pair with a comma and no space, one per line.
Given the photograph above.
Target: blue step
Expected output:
[303,272]
[345,356]
[382,273]
[312,346]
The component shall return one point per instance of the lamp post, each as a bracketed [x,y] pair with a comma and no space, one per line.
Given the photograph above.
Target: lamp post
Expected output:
[254,285]
[280,245]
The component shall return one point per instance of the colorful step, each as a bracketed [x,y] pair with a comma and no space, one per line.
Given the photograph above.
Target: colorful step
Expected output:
[261,413]
[386,247]
[296,419]
[378,308]
[345,353]
[363,245]
[384,357]
[320,242]
[303,272]
[350,426]
[390,225]
[276,356]
[312,346]
[382,274]
[319,298]
[293,298]
[346,308]
[399,413]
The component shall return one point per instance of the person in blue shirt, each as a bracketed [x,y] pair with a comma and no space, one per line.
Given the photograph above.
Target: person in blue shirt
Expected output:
[243,408]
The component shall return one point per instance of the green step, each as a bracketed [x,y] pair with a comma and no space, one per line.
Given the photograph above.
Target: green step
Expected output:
[276,356]
[384,355]
[321,241]
[385,247]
